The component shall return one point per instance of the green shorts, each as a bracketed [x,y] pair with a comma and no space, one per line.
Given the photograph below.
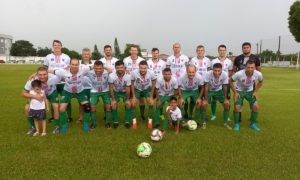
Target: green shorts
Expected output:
[67,96]
[96,95]
[216,95]
[174,123]
[53,97]
[163,99]
[228,91]
[121,95]
[245,95]
[193,94]
[60,88]
[87,92]
[139,94]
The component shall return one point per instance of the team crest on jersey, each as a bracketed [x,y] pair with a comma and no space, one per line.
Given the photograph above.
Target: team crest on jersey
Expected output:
[63,60]
[129,64]
[150,66]
[52,59]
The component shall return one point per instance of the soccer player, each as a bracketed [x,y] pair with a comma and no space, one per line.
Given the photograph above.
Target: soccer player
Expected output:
[49,83]
[73,88]
[119,87]
[174,117]
[241,60]
[100,88]
[227,66]
[38,108]
[108,60]
[58,60]
[191,86]
[216,82]
[201,62]
[142,85]
[156,64]
[85,63]
[244,89]
[166,86]
[178,62]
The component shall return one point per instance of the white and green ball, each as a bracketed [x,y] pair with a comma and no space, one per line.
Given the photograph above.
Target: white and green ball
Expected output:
[144,150]
[156,135]
[192,125]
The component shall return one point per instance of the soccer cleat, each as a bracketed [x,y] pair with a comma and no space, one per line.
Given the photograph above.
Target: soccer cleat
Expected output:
[127,125]
[86,127]
[70,120]
[44,134]
[150,124]
[227,127]
[116,125]
[236,127]
[253,126]
[134,126]
[107,126]
[156,126]
[213,117]
[93,126]
[36,133]
[63,130]
[56,130]
[31,131]
[203,126]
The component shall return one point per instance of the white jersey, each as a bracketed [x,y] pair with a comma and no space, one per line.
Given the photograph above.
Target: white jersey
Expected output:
[49,87]
[85,81]
[36,104]
[142,83]
[175,115]
[130,65]
[74,82]
[201,64]
[120,83]
[227,64]
[245,83]
[109,63]
[216,84]
[166,88]
[54,62]
[98,83]
[157,67]
[187,84]
[178,65]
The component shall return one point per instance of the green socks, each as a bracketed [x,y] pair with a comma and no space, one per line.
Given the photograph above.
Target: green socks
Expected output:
[142,110]
[63,118]
[56,122]
[115,115]
[213,107]
[107,117]
[150,112]
[127,115]
[253,117]
[69,110]
[236,117]
[31,122]
[226,115]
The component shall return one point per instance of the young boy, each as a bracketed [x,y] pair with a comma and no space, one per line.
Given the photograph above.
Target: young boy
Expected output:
[38,108]
[174,117]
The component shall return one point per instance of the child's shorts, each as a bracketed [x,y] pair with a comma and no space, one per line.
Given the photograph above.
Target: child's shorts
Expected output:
[37,114]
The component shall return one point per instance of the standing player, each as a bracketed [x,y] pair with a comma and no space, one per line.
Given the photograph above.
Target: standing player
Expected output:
[241,60]
[100,88]
[166,86]
[216,82]
[201,62]
[58,60]
[119,87]
[108,60]
[227,66]
[73,88]
[191,86]
[156,64]
[244,89]
[142,85]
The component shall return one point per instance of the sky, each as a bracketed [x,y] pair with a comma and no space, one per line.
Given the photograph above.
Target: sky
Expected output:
[150,23]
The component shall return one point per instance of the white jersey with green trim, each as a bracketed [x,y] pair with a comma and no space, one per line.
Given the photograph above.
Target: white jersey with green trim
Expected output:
[245,83]
[54,62]
[178,65]
[74,82]
[202,65]
[166,88]
[174,115]
[187,84]
[227,64]
[156,67]
[98,83]
[142,82]
[109,63]
[216,84]
[120,82]
[130,66]
[48,87]
[86,81]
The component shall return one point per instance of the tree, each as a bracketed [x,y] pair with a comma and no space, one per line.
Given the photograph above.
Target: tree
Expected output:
[267,55]
[127,51]
[117,49]
[294,20]
[96,55]
[42,52]
[22,48]
[71,53]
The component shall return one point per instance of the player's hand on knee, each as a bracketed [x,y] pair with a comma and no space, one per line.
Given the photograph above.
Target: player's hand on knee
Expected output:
[204,103]
[255,95]
[113,104]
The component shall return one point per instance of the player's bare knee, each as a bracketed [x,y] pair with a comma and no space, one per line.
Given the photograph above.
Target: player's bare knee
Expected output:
[108,107]
[237,108]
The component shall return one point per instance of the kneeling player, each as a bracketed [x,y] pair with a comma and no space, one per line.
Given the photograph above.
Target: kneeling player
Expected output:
[243,89]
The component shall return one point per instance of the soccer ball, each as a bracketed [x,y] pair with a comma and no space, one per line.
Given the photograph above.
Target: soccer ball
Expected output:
[144,150]
[156,135]
[192,125]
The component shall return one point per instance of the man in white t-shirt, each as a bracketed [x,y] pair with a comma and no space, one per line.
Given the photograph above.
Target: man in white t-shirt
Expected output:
[108,60]
[155,63]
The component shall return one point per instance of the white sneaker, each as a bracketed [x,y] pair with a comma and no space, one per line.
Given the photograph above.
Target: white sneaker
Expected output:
[36,133]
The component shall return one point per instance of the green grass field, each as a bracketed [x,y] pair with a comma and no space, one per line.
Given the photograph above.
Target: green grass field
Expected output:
[214,153]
